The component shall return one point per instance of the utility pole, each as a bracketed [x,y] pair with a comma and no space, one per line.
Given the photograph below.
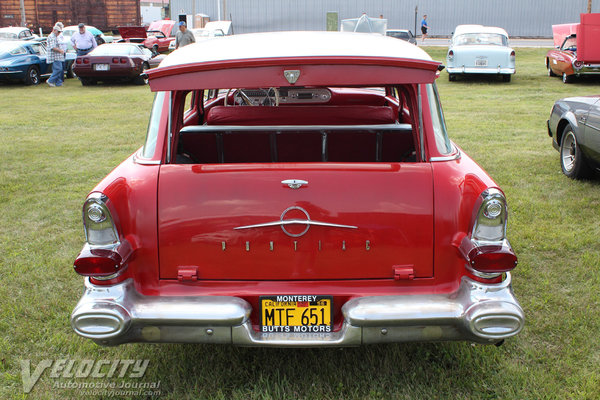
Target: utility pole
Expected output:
[23,19]
[416,16]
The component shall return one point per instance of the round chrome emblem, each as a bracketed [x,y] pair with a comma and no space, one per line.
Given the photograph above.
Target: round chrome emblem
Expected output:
[294,221]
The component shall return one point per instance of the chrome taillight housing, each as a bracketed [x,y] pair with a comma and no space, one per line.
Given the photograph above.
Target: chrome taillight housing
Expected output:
[487,250]
[104,255]
[578,64]
[450,55]
[512,56]
[100,230]
[491,218]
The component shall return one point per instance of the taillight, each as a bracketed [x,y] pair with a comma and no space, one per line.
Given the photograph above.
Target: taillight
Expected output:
[578,64]
[98,223]
[487,250]
[97,262]
[86,60]
[450,55]
[512,56]
[124,60]
[78,61]
[489,258]
[115,60]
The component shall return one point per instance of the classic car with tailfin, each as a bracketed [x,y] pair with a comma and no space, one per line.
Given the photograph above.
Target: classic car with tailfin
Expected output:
[297,189]
[577,51]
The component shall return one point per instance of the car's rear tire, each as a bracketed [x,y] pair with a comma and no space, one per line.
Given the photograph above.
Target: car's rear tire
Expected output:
[506,78]
[142,79]
[87,81]
[71,70]
[32,77]
[451,77]
[567,78]
[572,162]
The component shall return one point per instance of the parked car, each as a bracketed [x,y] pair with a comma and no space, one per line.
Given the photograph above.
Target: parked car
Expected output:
[296,189]
[100,37]
[25,61]
[200,34]
[153,40]
[574,126]
[16,33]
[477,49]
[116,62]
[403,34]
[168,27]
[579,51]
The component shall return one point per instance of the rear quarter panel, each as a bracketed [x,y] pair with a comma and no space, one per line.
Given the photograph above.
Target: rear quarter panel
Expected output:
[458,184]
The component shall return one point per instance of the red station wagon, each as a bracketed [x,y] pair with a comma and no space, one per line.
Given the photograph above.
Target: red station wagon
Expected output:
[297,189]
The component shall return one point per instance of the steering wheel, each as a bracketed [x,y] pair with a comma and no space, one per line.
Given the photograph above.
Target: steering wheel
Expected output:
[271,97]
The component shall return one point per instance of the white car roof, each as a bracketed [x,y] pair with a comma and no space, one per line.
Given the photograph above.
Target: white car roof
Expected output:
[13,29]
[295,44]
[462,29]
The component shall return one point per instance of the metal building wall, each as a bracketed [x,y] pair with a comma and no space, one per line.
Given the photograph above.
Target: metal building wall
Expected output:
[519,17]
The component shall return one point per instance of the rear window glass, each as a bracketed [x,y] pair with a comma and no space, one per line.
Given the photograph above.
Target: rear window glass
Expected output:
[153,126]
[437,119]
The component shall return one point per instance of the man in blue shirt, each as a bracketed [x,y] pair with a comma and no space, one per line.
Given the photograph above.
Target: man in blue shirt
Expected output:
[56,57]
[83,41]
[424,27]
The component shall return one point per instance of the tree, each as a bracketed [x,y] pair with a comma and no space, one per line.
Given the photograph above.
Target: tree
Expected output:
[589,6]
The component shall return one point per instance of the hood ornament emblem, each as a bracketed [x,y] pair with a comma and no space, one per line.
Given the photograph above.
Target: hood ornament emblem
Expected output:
[291,75]
[294,183]
[285,222]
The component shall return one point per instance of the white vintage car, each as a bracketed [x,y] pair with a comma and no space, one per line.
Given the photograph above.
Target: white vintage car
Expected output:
[478,49]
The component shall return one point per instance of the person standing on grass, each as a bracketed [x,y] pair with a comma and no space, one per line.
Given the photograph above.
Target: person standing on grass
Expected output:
[83,41]
[56,57]
[183,37]
[424,28]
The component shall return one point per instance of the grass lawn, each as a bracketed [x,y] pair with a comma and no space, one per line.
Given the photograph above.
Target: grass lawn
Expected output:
[57,143]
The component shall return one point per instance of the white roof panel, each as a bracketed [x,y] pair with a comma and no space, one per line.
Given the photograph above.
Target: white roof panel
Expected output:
[294,44]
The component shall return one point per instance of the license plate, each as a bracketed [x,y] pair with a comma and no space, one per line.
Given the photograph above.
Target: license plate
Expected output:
[101,67]
[481,62]
[296,313]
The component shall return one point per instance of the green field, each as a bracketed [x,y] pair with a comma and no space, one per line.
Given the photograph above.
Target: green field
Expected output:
[57,143]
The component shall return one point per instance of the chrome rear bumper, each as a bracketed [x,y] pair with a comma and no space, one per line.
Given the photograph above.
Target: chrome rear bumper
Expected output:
[477,312]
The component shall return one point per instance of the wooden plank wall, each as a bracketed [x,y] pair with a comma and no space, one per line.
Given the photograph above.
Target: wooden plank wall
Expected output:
[105,15]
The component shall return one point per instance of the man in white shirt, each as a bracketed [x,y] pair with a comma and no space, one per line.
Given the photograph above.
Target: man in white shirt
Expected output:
[83,41]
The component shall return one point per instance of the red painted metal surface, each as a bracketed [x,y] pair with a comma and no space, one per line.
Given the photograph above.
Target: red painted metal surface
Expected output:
[588,32]
[199,208]
[413,215]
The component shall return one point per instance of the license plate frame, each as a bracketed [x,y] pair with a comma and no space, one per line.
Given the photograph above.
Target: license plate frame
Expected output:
[101,67]
[320,319]
[481,62]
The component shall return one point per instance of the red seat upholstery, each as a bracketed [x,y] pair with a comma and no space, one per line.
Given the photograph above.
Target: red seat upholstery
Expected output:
[301,115]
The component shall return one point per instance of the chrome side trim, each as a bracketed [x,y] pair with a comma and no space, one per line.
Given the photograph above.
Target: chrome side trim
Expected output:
[456,156]
[144,161]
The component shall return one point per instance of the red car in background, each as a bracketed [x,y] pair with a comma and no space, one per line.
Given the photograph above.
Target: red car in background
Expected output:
[297,189]
[156,38]
[577,50]
[116,62]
